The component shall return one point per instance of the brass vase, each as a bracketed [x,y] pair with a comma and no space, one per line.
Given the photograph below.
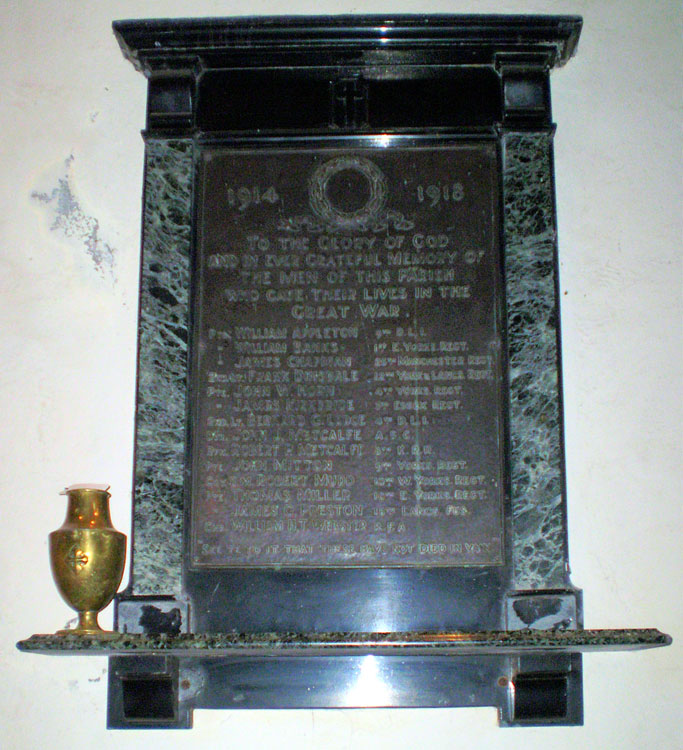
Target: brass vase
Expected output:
[87,556]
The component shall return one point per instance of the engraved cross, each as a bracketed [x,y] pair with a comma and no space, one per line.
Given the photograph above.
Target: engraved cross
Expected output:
[76,559]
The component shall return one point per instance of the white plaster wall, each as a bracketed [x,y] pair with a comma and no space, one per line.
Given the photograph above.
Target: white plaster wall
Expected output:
[71,111]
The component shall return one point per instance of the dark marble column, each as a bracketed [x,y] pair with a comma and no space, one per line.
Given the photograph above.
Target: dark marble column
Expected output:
[162,368]
[536,451]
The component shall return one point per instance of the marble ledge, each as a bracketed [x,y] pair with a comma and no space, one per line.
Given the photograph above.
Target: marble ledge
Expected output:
[221,645]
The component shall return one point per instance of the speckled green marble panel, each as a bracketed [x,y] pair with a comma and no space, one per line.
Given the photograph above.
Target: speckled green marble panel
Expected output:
[536,458]
[162,368]
[290,644]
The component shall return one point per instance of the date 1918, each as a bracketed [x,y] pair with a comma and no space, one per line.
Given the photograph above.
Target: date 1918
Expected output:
[440,192]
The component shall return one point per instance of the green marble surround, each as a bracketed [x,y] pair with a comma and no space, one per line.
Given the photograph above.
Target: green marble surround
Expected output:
[536,461]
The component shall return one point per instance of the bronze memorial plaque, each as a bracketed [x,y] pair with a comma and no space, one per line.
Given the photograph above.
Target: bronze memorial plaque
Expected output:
[347,393]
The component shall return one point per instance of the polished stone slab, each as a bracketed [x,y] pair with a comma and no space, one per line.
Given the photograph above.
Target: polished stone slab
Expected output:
[292,644]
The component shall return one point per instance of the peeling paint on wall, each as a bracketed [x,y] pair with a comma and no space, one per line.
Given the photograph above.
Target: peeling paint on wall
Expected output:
[68,218]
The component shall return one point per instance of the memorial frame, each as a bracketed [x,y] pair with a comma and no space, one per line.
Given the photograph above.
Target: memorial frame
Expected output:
[507,635]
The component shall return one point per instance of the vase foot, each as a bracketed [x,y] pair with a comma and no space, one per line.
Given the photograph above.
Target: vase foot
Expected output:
[88,625]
